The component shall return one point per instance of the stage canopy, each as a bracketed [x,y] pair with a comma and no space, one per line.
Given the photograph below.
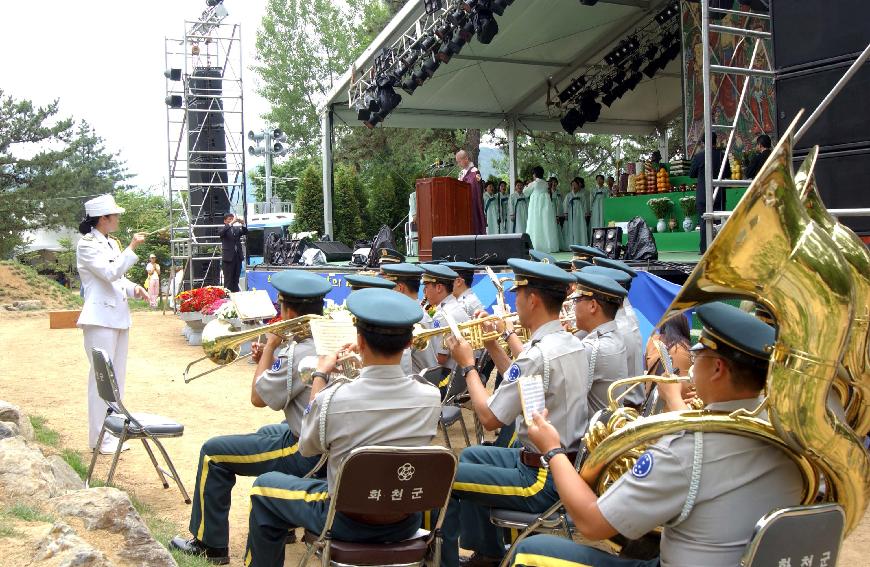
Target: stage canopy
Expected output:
[505,84]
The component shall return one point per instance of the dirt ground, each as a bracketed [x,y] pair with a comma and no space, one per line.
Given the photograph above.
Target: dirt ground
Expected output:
[46,374]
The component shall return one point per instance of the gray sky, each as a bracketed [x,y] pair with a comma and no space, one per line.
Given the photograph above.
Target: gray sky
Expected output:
[104,60]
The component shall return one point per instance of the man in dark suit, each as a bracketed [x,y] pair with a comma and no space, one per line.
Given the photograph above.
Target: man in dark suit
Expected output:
[231,250]
[697,171]
[762,146]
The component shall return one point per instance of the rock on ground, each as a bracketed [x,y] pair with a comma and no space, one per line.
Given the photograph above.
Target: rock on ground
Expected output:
[12,413]
[25,474]
[65,476]
[110,509]
[61,546]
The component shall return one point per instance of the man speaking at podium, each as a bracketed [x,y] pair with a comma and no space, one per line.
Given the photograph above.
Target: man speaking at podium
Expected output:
[471,175]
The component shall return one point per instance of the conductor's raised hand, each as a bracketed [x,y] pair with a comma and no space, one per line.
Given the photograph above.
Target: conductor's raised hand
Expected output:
[138,239]
[543,434]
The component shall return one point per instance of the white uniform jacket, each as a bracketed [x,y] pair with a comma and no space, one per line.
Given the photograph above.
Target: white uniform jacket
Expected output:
[102,266]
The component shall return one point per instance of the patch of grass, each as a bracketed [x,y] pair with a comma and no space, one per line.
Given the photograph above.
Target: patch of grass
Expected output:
[74,459]
[42,433]
[27,513]
[6,530]
[163,531]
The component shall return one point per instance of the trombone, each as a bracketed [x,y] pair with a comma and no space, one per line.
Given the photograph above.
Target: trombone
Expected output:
[221,344]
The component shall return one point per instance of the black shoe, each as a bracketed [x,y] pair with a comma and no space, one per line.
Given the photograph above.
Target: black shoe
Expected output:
[192,546]
[478,560]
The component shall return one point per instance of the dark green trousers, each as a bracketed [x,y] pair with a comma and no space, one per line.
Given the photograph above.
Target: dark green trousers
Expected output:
[221,459]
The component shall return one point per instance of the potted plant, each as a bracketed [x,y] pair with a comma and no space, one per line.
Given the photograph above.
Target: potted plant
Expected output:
[660,207]
[688,206]
[191,305]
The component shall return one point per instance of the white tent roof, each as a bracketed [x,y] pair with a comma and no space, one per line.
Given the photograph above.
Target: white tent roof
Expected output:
[538,40]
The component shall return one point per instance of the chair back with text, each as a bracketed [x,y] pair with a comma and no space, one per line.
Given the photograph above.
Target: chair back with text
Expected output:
[801,535]
[107,385]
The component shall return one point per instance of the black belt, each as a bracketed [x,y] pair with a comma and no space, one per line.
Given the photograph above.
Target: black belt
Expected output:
[532,459]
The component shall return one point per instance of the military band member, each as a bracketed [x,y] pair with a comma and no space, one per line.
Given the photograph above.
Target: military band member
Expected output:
[707,490]
[586,253]
[498,477]
[278,385]
[105,317]
[438,281]
[462,287]
[596,300]
[362,281]
[407,278]
[383,406]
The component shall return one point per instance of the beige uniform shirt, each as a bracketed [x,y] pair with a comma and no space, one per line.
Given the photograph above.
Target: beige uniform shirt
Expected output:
[626,321]
[739,481]
[281,387]
[562,362]
[381,407]
[469,302]
[606,345]
[452,306]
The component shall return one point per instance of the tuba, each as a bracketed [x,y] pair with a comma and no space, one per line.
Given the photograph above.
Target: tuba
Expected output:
[221,345]
[856,360]
[771,252]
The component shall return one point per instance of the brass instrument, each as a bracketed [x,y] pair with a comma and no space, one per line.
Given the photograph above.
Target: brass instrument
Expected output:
[856,359]
[771,252]
[346,368]
[221,345]
[472,331]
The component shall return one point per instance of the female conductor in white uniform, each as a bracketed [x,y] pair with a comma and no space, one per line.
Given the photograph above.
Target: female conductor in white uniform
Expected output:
[105,317]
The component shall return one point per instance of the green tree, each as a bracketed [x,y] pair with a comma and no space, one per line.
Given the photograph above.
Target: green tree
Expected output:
[144,212]
[309,201]
[285,178]
[47,169]
[302,47]
[348,221]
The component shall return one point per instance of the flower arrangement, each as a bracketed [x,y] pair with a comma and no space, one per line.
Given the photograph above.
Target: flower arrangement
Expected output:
[688,205]
[199,298]
[660,206]
[226,310]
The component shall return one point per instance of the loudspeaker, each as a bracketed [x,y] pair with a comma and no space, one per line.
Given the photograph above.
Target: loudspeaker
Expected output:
[495,249]
[207,270]
[334,251]
[461,248]
[491,249]
[814,44]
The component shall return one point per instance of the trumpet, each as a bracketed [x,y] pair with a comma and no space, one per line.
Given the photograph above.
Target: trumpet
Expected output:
[346,368]
[221,345]
[472,331]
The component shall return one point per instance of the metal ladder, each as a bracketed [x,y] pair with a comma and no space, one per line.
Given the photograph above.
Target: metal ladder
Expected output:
[712,184]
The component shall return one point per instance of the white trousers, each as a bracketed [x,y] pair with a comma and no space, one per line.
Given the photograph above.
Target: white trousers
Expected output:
[114,342]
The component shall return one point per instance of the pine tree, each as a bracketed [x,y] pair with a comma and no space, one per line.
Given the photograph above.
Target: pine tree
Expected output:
[309,201]
[348,221]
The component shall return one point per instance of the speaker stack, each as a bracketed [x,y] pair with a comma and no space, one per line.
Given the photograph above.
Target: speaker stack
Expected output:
[490,249]
[814,43]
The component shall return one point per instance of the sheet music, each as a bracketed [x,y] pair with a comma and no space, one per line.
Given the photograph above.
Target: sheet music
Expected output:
[531,396]
[451,322]
[330,336]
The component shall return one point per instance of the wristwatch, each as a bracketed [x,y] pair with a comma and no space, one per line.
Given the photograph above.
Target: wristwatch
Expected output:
[545,459]
[319,374]
[466,369]
[507,334]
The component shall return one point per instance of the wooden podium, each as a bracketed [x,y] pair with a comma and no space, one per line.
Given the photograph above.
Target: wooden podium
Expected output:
[443,209]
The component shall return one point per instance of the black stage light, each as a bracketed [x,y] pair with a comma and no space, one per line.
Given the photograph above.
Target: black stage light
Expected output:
[498,6]
[430,66]
[432,6]
[589,2]
[651,68]
[571,121]
[445,53]
[668,12]
[636,63]
[572,89]
[427,42]
[444,32]
[589,107]
[619,91]
[388,99]
[363,114]
[419,76]
[650,52]
[608,99]
[409,84]
[466,31]
[486,26]
[618,77]
[173,101]
[672,52]
[373,120]
[633,80]
[213,3]
[457,17]
[172,74]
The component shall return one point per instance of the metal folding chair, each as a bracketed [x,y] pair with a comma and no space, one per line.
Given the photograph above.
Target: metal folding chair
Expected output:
[403,480]
[125,425]
[800,535]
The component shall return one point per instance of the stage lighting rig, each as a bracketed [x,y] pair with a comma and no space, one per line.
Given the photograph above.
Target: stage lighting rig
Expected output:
[432,6]
[572,120]
[572,89]
[671,10]
[485,26]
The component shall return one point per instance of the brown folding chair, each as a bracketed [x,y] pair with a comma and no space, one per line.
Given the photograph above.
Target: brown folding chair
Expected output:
[125,425]
[387,482]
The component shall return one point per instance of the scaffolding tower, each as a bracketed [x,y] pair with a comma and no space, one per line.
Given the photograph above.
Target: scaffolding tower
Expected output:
[205,142]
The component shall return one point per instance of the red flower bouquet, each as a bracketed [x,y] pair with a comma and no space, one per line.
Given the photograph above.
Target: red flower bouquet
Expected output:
[199,298]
